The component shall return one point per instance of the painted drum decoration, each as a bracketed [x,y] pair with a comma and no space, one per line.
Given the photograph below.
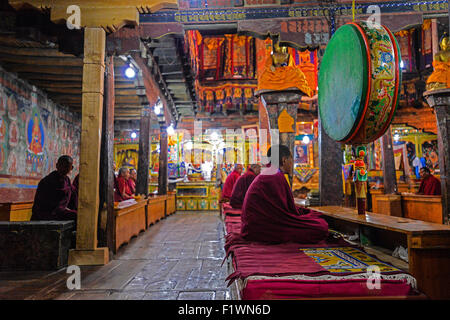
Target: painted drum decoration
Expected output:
[359,83]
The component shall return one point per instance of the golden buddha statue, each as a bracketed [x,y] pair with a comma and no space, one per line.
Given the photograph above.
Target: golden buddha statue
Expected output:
[280,57]
[440,78]
[280,73]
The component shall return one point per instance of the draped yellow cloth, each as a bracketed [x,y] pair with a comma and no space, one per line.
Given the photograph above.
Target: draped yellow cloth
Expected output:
[283,78]
[441,73]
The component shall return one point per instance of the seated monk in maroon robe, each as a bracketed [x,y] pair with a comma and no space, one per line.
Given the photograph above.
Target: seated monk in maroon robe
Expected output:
[430,185]
[53,194]
[230,182]
[73,203]
[242,185]
[123,191]
[132,181]
[269,213]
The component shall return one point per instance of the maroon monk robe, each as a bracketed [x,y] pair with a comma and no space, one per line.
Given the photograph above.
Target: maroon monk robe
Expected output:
[122,188]
[73,203]
[430,186]
[240,188]
[229,184]
[131,185]
[269,214]
[52,199]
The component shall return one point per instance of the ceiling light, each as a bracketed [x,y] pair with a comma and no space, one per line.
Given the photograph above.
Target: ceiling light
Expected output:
[130,73]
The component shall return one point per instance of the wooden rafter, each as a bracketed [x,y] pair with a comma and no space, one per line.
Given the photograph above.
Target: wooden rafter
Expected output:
[108,14]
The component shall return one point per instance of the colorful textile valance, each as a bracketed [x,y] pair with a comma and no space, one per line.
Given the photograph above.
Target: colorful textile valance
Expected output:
[227,96]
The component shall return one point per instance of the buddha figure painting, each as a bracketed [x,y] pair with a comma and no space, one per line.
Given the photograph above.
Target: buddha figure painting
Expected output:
[35,135]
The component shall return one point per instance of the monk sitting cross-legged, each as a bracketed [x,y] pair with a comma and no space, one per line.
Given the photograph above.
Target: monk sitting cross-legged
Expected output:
[53,194]
[269,213]
[430,185]
[242,185]
[230,182]
[132,181]
[123,191]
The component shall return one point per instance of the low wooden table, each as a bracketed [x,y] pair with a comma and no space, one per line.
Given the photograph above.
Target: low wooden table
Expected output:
[156,209]
[426,208]
[35,245]
[16,211]
[130,221]
[428,244]
[171,203]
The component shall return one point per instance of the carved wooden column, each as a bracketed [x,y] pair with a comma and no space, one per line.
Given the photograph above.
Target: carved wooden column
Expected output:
[389,175]
[144,152]
[86,252]
[163,163]
[281,107]
[330,172]
[440,101]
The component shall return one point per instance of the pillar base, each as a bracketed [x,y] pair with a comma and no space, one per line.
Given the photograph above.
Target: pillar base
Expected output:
[96,257]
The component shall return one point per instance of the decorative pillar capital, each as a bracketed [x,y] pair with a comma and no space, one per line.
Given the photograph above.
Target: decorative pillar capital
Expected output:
[438,97]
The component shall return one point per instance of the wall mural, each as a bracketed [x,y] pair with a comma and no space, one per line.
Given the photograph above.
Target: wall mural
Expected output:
[34,132]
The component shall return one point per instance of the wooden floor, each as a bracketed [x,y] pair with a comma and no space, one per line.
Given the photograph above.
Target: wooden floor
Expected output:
[178,258]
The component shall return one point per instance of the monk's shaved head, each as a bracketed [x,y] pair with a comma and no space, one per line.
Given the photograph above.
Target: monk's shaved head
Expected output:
[281,155]
[64,165]
[281,150]
[256,168]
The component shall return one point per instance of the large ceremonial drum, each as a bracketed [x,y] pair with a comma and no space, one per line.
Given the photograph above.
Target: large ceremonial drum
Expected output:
[359,83]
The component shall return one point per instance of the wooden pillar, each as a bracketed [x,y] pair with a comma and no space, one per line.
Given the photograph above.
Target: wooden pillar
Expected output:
[144,152]
[389,175]
[281,110]
[440,101]
[86,252]
[330,174]
[107,160]
[162,174]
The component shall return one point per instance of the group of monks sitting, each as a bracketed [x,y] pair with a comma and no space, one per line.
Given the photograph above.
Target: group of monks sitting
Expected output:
[56,197]
[124,184]
[269,213]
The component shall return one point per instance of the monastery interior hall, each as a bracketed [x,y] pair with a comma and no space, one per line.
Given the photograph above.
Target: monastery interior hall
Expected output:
[225,150]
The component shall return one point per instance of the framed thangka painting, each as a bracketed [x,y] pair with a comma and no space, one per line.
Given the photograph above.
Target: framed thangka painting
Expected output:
[304,141]
[301,153]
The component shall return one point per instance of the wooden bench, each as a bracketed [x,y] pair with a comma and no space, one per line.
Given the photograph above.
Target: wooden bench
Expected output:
[171,203]
[16,211]
[35,245]
[130,221]
[156,209]
[426,208]
[428,243]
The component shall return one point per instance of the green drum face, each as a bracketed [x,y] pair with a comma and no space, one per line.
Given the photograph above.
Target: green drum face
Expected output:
[359,83]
